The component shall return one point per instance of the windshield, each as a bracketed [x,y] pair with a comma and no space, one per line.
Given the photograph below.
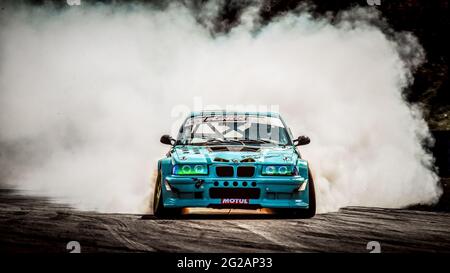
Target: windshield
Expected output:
[233,129]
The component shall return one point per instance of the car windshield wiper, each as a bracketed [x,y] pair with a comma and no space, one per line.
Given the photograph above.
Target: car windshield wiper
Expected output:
[220,141]
[233,141]
[258,141]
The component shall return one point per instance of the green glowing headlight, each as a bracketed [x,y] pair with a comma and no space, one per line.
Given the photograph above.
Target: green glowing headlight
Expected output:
[278,170]
[190,169]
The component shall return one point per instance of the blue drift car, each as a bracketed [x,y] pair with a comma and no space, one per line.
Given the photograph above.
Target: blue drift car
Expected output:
[234,160]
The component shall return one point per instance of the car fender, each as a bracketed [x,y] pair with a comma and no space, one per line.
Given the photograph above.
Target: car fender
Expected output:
[165,166]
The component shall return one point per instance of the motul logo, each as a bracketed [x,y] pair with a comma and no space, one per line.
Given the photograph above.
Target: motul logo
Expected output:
[235,201]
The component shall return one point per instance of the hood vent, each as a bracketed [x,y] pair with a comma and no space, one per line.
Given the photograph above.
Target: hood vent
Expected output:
[218,159]
[248,159]
[219,149]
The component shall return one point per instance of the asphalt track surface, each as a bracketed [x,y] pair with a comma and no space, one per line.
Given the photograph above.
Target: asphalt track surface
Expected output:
[30,224]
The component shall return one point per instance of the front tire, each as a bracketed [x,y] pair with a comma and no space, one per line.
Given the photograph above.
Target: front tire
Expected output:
[158,202]
[311,210]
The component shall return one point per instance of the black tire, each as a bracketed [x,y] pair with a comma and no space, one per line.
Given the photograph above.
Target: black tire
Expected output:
[311,210]
[158,205]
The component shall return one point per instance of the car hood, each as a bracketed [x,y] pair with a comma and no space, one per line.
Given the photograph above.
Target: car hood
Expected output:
[233,154]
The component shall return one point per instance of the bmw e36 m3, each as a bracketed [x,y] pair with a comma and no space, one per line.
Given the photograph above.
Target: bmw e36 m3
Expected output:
[234,160]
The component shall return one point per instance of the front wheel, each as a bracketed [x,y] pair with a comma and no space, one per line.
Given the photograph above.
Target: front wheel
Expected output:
[311,210]
[158,203]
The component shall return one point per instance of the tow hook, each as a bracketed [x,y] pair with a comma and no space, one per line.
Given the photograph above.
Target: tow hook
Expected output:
[198,182]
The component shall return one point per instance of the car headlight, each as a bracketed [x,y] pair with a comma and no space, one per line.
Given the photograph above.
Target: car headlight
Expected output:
[190,169]
[278,170]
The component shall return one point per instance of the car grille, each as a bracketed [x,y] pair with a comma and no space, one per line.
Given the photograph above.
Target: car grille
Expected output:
[252,193]
[242,171]
[245,171]
[225,171]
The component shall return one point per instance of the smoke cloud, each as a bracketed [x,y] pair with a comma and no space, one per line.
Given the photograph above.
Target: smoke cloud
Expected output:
[86,92]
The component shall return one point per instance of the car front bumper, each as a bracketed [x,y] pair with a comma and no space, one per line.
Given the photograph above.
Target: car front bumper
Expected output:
[259,192]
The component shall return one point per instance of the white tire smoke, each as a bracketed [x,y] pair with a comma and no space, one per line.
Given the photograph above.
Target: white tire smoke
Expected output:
[85,94]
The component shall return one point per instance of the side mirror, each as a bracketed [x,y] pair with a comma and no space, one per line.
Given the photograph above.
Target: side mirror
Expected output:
[166,139]
[302,140]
